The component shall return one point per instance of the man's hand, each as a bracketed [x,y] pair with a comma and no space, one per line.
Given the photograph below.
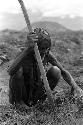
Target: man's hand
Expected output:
[32,38]
[78,93]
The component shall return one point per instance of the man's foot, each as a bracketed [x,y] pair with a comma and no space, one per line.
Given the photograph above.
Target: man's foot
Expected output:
[21,105]
[30,103]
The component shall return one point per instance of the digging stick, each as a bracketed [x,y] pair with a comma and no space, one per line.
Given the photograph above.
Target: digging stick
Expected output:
[38,57]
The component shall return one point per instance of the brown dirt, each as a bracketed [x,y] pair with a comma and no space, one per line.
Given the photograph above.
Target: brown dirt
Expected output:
[65,113]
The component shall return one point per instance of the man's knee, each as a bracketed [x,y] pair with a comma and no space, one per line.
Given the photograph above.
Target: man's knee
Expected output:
[53,76]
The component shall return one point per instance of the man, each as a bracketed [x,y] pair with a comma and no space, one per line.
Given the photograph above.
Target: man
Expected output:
[26,85]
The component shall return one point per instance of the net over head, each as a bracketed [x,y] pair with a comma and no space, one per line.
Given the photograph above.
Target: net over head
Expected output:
[44,40]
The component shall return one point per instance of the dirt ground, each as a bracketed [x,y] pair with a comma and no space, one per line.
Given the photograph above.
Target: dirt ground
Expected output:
[67,112]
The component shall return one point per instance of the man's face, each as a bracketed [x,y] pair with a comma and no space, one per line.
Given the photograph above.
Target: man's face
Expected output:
[43,48]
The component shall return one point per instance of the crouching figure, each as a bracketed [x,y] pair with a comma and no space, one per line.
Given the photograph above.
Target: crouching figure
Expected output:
[26,84]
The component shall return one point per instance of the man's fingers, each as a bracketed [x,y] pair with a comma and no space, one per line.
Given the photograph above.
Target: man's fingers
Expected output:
[78,93]
[32,37]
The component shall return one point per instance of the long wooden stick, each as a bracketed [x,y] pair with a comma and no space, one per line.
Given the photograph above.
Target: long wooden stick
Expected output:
[38,57]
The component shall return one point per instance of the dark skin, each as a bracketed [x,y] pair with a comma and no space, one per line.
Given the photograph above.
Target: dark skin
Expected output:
[26,82]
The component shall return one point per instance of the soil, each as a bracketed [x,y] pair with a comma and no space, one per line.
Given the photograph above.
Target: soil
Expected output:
[68,110]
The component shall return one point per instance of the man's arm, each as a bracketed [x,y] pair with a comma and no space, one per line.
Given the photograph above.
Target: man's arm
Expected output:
[65,74]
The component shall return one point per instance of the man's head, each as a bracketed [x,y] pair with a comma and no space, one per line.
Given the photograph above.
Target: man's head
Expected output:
[44,40]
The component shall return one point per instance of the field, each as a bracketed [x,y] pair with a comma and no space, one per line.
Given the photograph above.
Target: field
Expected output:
[67,47]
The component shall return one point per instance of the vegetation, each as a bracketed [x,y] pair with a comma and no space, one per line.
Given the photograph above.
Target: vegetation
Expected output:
[66,46]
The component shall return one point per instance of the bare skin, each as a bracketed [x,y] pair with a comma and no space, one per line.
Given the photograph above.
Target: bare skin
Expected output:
[66,76]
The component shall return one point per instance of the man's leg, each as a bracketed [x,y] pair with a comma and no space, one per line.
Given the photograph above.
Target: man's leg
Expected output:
[11,94]
[53,76]
[16,88]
